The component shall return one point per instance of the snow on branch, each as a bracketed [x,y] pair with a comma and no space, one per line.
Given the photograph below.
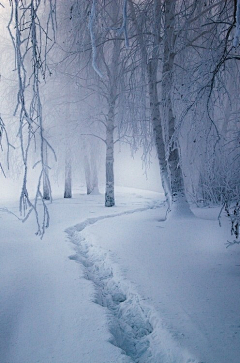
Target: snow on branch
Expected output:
[3,134]
[237,32]
[91,27]
[232,243]
[32,42]
[233,213]
[123,28]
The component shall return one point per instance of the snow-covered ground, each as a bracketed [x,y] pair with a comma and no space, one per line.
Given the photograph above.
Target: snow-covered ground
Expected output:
[118,285]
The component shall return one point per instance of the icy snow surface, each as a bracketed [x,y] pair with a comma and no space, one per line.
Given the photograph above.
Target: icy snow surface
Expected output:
[142,290]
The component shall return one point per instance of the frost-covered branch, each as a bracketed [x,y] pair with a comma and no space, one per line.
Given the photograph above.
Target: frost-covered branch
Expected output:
[91,27]
[124,28]
[3,134]
[233,213]
[97,136]
[30,42]
[237,31]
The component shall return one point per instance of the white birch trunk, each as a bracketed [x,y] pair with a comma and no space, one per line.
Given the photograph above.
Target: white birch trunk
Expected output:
[152,68]
[179,201]
[91,175]
[87,170]
[113,78]
[68,174]
[157,128]
[109,194]
[94,173]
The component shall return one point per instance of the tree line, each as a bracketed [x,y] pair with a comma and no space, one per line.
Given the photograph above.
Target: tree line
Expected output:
[150,73]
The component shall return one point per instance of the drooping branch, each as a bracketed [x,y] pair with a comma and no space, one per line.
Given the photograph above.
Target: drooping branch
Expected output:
[4,134]
[30,42]
[91,27]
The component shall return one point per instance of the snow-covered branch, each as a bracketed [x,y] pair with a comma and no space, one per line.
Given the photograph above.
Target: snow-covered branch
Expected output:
[30,42]
[237,31]
[91,27]
[124,28]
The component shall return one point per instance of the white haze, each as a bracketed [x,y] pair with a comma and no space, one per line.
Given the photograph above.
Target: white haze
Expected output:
[128,283]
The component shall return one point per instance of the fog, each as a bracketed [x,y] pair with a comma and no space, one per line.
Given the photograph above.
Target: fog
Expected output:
[91,99]
[131,171]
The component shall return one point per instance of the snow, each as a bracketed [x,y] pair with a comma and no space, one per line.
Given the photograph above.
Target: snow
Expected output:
[118,284]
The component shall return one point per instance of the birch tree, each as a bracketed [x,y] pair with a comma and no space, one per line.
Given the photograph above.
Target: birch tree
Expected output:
[151,65]
[208,56]
[101,49]
[163,37]
[68,173]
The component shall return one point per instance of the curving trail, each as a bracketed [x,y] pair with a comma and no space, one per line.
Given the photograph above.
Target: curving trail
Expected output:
[135,326]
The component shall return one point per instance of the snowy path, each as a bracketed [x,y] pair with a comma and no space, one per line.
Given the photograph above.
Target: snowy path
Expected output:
[141,291]
[46,310]
[135,326]
[183,271]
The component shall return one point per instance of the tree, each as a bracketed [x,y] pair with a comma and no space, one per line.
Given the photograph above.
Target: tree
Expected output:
[103,48]
[151,65]
[172,63]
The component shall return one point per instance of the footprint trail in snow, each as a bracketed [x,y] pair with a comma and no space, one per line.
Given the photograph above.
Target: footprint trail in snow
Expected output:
[135,326]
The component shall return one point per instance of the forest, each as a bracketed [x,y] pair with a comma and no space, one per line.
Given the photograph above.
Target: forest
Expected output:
[162,76]
[157,81]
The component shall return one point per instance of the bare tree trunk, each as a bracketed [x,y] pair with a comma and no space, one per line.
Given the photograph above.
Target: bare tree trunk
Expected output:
[113,76]
[91,175]
[152,71]
[109,194]
[157,128]
[68,174]
[94,173]
[179,200]
[87,170]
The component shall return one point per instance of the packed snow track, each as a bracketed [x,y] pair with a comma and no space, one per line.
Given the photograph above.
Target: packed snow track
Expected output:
[135,327]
